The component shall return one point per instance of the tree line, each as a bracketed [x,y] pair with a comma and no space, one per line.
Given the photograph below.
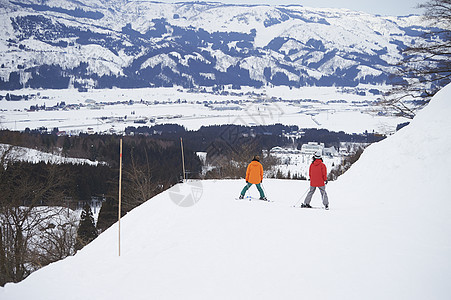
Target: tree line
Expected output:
[230,138]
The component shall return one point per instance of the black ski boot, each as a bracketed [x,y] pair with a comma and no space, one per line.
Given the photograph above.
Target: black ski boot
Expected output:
[304,205]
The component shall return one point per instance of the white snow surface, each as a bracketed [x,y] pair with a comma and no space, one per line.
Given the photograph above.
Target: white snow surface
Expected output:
[112,111]
[387,235]
[36,156]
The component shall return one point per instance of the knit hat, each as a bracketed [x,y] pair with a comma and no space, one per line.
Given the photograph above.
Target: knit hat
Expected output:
[318,154]
[256,157]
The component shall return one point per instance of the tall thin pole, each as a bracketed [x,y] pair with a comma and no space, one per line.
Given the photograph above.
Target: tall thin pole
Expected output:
[120,190]
[183,159]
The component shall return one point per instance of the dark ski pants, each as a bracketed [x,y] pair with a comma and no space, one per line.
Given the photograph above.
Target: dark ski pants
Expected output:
[322,189]
[259,188]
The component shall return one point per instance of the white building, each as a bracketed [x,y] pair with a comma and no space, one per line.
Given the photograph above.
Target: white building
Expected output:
[280,150]
[331,152]
[311,148]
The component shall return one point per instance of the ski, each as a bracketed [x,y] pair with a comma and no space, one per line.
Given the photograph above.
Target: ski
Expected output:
[312,207]
[249,198]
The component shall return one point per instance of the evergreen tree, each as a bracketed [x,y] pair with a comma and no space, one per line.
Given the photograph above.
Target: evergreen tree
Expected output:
[87,231]
[108,214]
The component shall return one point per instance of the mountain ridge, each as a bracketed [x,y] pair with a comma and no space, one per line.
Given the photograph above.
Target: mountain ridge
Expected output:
[134,44]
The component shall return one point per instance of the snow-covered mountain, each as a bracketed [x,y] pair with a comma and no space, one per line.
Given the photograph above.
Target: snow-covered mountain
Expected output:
[101,44]
[387,235]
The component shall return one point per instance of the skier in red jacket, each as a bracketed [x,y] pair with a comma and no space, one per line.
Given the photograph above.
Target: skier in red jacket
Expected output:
[318,179]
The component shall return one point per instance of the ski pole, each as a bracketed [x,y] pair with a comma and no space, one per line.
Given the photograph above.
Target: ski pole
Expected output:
[297,202]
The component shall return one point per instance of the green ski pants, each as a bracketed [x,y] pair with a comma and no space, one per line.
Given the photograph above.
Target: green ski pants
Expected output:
[259,188]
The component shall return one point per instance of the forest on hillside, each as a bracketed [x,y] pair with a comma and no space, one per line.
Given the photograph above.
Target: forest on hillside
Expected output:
[230,138]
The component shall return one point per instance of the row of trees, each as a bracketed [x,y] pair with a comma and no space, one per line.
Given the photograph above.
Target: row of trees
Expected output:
[23,190]
[230,139]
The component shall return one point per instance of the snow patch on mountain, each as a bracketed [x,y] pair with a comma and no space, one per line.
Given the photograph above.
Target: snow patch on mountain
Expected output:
[115,37]
[163,59]
[16,153]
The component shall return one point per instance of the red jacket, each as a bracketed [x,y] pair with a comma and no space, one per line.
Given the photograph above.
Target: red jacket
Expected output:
[317,173]
[254,172]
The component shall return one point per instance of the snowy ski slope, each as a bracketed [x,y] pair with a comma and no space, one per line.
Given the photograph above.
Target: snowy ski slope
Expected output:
[387,235]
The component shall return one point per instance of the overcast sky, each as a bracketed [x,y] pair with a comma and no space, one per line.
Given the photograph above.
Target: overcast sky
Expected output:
[381,7]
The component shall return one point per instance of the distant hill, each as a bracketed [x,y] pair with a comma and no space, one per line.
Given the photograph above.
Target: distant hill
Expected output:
[132,44]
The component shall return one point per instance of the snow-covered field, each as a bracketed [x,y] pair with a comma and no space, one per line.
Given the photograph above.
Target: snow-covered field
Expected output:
[387,235]
[113,110]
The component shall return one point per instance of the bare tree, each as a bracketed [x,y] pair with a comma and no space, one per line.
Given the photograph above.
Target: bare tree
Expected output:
[426,65]
[233,163]
[25,205]
[137,183]
[438,11]
[53,239]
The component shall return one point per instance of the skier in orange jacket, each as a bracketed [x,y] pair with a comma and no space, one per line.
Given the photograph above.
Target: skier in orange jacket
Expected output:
[318,179]
[254,175]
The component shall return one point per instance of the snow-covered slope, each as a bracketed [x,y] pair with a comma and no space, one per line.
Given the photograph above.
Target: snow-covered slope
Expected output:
[16,153]
[387,235]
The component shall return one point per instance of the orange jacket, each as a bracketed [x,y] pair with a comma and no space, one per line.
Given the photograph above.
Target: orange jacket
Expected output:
[254,172]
